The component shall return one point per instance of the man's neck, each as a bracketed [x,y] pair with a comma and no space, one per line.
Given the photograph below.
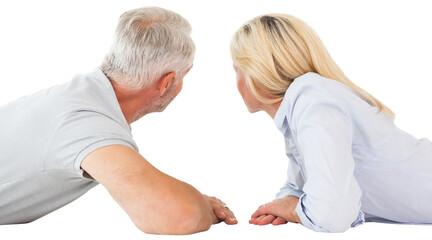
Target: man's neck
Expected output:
[132,102]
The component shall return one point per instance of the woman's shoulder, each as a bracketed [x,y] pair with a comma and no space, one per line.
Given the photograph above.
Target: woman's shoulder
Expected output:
[308,91]
[311,90]
[311,82]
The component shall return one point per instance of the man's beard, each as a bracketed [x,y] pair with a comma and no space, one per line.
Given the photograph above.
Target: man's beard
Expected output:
[158,105]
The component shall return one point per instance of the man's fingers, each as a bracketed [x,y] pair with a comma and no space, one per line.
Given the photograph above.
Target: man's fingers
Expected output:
[229,216]
[225,215]
[219,213]
[222,211]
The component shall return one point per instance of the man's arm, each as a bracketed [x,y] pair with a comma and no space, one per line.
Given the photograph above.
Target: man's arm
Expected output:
[156,202]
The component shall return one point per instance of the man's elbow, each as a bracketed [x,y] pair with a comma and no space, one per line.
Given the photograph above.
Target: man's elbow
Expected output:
[180,222]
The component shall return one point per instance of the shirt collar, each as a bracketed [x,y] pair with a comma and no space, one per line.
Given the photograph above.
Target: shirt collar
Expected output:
[281,115]
[280,118]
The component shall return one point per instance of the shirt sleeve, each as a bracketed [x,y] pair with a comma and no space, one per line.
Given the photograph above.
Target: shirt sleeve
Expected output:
[294,182]
[82,133]
[323,133]
[95,145]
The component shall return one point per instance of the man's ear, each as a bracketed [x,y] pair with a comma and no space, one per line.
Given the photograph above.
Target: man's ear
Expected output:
[165,83]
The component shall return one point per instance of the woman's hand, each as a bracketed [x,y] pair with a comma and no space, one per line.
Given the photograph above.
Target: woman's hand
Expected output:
[221,212]
[280,211]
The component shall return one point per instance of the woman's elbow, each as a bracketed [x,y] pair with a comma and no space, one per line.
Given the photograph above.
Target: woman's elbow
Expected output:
[336,227]
[336,221]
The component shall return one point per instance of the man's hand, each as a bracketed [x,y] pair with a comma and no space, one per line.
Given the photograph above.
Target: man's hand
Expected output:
[280,211]
[221,212]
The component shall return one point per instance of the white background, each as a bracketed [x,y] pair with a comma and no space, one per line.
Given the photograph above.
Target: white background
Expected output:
[206,137]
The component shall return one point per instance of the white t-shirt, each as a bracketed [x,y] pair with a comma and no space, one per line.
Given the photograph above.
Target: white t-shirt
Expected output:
[44,138]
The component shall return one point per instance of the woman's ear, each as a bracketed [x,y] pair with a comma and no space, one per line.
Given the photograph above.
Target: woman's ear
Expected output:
[165,83]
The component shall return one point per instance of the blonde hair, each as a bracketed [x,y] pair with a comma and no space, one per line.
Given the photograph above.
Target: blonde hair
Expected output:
[272,50]
[149,42]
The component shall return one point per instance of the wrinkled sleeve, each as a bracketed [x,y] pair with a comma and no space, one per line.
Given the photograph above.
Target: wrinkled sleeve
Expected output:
[323,133]
[294,180]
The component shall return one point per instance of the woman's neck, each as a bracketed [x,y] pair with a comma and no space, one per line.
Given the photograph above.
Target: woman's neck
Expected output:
[271,109]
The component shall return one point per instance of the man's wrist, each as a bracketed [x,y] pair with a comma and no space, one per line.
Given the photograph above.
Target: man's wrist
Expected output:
[214,219]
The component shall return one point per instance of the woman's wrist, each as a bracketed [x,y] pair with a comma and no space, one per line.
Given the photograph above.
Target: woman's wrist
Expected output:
[293,201]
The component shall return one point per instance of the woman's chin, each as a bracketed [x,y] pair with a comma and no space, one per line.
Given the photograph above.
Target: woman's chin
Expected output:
[253,110]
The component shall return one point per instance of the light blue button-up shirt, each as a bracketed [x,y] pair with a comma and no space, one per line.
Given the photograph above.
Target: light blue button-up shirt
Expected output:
[348,163]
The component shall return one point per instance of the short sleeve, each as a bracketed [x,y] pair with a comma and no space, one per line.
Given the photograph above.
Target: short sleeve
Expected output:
[81,133]
[95,146]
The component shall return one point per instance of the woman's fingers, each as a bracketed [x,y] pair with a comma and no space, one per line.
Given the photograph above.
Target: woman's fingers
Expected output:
[262,210]
[266,220]
[263,220]
[259,218]
[267,214]
[279,221]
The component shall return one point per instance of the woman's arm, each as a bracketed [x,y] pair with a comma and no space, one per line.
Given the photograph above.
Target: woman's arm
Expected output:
[328,200]
[324,135]
[156,202]
[294,183]
[282,209]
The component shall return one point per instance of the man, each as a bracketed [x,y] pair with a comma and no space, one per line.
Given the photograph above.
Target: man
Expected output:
[59,143]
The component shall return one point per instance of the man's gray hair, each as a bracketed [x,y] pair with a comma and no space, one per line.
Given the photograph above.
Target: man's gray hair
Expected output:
[149,43]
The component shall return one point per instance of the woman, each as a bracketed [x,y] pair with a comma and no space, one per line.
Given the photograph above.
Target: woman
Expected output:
[348,162]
